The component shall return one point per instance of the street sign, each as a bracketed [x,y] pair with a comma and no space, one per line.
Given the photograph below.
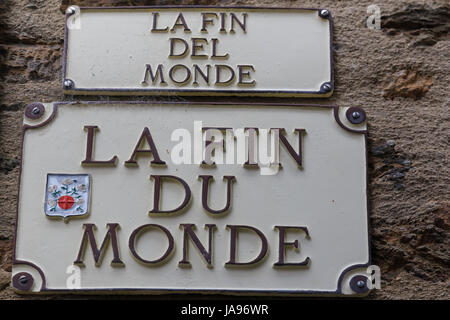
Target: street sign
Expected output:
[209,51]
[138,197]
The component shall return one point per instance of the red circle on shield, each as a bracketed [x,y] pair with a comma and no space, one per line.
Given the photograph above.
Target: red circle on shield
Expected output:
[66,202]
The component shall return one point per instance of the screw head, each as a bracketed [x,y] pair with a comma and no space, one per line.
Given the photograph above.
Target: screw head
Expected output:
[356,115]
[360,284]
[34,110]
[326,87]
[324,13]
[23,279]
[68,84]
[70,10]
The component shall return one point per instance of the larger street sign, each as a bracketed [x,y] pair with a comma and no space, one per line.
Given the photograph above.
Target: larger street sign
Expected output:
[192,197]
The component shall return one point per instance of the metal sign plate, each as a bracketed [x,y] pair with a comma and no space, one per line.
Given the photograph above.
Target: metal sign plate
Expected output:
[138,209]
[199,51]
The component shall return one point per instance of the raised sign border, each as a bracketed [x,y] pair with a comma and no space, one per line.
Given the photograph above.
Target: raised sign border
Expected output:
[69,86]
[22,282]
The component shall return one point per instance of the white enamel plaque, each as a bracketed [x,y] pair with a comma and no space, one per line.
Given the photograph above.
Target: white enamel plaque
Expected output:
[192,197]
[199,51]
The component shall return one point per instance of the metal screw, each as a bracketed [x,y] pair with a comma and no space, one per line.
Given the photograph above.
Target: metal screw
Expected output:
[68,84]
[324,13]
[326,87]
[360,284]
[70,10]
[23,279]
[356,115]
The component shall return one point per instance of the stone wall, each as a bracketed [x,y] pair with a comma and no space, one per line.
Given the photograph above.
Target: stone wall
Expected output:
[399,74]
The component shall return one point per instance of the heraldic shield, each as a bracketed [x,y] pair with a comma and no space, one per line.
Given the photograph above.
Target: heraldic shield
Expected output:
[67,195]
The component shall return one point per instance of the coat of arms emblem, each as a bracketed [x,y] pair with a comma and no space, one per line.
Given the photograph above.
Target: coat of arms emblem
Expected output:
[67,195]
